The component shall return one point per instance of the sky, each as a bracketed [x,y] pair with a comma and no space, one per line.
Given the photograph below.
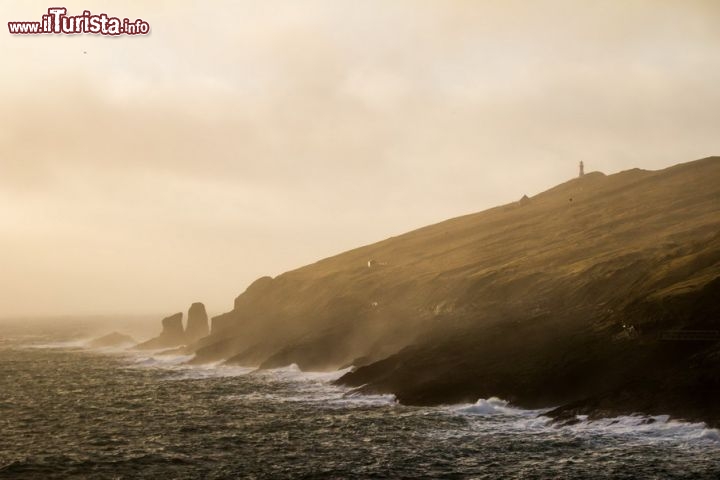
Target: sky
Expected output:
[247,138]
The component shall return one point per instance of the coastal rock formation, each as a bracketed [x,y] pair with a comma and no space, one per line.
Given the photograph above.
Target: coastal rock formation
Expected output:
[565,302]
[197,323]
[173,328]
[114,339]
[172,334]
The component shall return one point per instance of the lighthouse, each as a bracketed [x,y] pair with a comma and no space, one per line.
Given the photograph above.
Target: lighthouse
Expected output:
[582,169]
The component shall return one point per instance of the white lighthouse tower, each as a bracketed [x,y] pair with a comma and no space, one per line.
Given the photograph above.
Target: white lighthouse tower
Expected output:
[582,169]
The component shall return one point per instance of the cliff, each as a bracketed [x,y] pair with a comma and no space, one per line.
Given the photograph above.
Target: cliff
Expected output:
[573,297]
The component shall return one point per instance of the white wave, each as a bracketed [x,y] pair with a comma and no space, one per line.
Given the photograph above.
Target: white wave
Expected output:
[161,360]
[710,434]
[633,428]
[648,428]
[295,385]
[178,366]
[79,344]
[331,397]
[493,406]
[122,350]
[198,372]
[69,344]
[370,399]
[294,373]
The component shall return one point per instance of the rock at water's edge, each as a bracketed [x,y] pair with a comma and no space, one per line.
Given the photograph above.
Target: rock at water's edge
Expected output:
[197,324]
[172,334]
[173,327]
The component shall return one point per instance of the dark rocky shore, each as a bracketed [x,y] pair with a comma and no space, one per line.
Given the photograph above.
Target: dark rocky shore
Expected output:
[598,297]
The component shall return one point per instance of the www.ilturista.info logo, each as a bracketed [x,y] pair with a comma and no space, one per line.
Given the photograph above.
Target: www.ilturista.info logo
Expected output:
[58,22]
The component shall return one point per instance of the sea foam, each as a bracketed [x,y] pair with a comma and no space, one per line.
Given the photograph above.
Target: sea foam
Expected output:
[635,428]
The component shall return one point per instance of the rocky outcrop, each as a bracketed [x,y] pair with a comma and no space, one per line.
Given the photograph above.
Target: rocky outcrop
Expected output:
[197,324]
[173,328]
[114,339]
[172,334]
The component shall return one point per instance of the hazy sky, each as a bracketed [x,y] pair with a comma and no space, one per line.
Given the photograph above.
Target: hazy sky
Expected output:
[258,136]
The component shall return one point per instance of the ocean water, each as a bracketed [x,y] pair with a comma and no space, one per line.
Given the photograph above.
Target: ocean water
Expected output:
[67,411]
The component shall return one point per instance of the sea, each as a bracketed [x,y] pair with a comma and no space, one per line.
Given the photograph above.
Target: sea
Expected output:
[70,411]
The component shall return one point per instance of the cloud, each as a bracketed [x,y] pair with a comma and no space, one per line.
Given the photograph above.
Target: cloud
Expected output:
[252,137]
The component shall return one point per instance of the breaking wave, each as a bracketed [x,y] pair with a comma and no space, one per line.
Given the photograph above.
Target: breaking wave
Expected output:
[642,428]
[297,385]
[493,406]
[658,427]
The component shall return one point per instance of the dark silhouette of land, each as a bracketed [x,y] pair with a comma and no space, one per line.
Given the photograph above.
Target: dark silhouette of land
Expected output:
[174,337]
[569,298]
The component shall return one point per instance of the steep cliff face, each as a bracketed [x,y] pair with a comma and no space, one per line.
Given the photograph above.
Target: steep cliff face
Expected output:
[548,300]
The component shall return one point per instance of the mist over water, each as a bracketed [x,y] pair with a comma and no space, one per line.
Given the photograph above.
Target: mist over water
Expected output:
[67,411]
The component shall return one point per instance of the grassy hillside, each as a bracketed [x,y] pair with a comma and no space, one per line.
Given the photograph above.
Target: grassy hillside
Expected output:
[551,300]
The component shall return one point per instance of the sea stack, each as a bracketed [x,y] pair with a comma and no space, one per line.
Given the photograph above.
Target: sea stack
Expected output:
[172,334]
[197,324]
[173,328]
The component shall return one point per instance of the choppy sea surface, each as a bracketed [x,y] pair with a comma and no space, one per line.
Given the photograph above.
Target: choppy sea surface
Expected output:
[67,411]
